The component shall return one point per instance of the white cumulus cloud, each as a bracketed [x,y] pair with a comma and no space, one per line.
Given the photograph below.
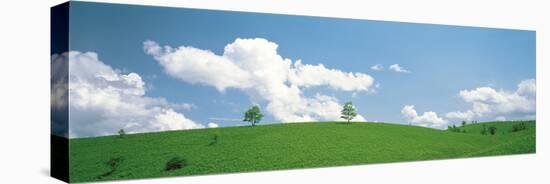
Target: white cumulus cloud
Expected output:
[104,100]
[255,67]
[397,68]
[490,103]
[213,125]
[527,88]
[377,67]
[316,75]
[427,119]
[199,66]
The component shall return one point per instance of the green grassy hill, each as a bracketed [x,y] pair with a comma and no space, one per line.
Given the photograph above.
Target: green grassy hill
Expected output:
[284,146]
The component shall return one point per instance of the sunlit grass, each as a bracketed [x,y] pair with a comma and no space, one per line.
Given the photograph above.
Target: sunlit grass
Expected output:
[284,146]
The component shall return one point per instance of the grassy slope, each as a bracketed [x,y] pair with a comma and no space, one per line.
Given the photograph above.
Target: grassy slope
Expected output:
[282,146]
[508,142]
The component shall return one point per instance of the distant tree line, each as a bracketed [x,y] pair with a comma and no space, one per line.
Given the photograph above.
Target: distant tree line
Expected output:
[519,127]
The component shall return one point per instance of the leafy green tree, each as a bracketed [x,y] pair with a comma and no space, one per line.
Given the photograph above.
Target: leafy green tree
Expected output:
[463,123]
[121,133]
[492,130]
[253,115]
[348,113]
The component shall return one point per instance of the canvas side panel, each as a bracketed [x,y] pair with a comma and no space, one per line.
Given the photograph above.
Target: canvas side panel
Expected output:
[59,78]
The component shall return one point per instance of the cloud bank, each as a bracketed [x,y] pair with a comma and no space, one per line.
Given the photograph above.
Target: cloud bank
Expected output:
[104,100]
[213,125]
[490,103]
[255,67]
[427,119]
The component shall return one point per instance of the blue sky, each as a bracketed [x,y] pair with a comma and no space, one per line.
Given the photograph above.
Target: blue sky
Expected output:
[442,60]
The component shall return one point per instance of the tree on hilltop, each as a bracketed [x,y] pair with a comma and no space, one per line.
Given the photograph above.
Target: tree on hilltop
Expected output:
[253,115]
[348,113]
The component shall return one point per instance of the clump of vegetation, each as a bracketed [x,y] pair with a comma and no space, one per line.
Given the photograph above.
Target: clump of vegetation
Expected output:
[454,128]
[214,140]
[464,123]
[492,130]
[253,115]
[175,163]
[484,130]
[113,165]
[121,133]
[348,113]
[519,127]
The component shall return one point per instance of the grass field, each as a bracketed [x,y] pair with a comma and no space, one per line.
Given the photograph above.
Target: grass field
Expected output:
[284,146]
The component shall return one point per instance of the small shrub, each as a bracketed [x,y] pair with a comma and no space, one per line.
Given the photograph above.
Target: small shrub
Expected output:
[114,162]
[113,165]
[175,163]
[214,140]
[492,130]
[519,127]
[483,130]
